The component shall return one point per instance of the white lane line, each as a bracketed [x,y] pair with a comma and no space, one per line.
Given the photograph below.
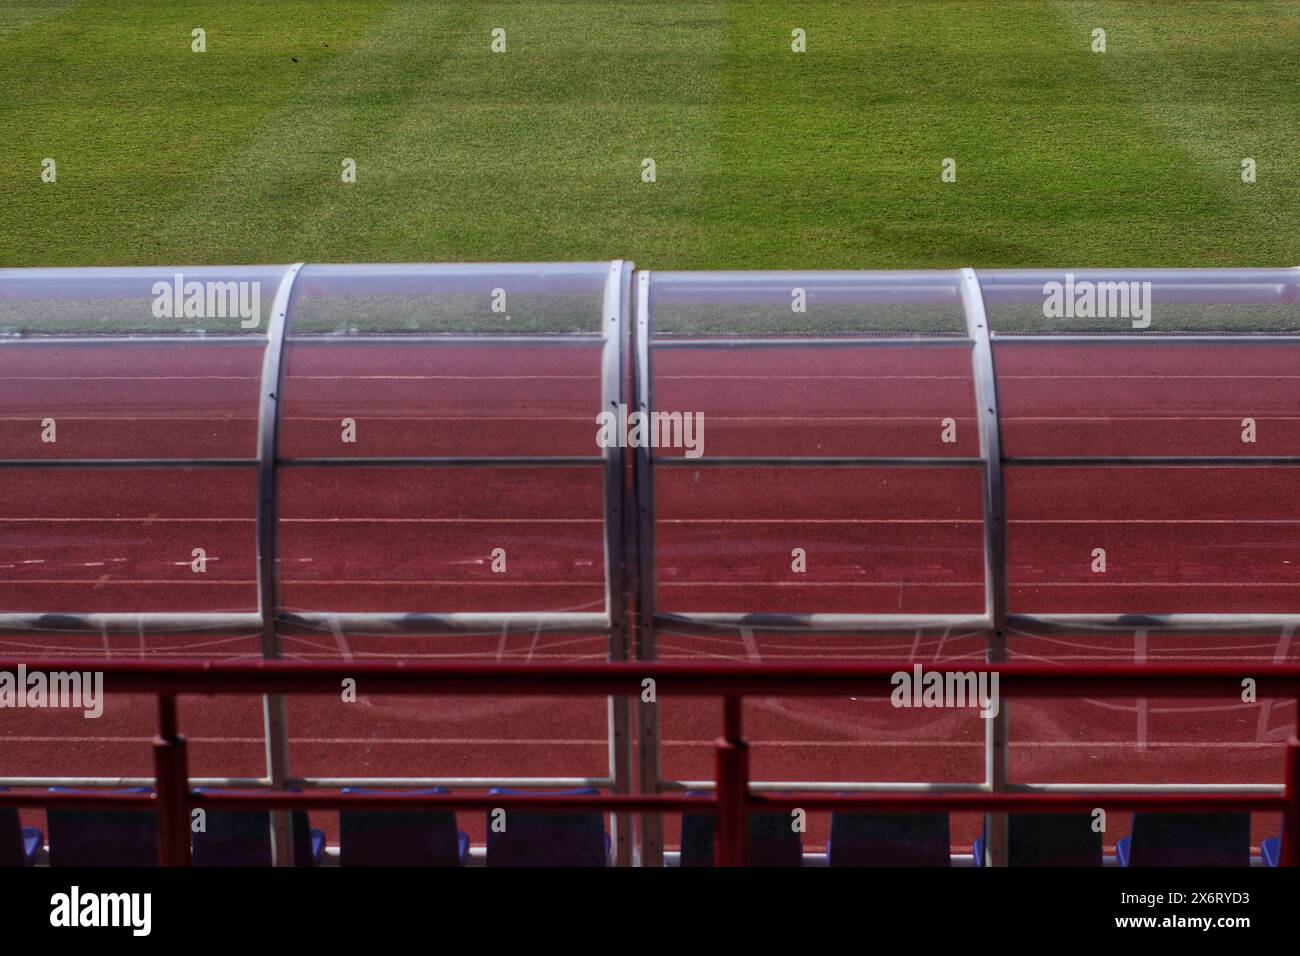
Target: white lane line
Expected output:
[134,378]
[1145,418]
[1022,584]
[450,378]
[572,583]
[760,379]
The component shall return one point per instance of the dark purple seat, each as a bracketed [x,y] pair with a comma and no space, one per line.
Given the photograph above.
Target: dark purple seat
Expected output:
[1048,839]
[19,845]
[1187,839]
[243,838]
[103,837]
[548,839]
[773,841]
[889,839]
[380,838]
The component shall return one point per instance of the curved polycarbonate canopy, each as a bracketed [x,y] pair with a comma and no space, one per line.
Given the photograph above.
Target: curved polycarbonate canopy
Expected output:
[355,442]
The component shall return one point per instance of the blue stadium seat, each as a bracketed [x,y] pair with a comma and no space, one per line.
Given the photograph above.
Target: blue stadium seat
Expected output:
[1270,851]
[548,839]
[889,839]
[773,841]
[19,845]
[1187,839]
[103,837]
[1047,839]
[243,838]
[375,838]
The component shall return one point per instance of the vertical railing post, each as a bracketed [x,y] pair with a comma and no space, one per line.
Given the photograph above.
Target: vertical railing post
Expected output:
[1291,818]
[274,712]
[618,290]
[648,726]
[998,728]
[733,787]
[172,785]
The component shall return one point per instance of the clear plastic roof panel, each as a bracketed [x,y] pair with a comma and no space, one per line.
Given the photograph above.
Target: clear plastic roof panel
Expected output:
[400,539]
[1141,301]
[736,350]
[801,367]
[100,541]
[469,299]
[764,304]
[1153,540]
[145,300]
[132,363]
[819,540]
[444,361]
[1155,396]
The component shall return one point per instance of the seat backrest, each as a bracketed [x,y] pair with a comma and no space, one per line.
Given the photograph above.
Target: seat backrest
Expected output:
[103,837]
[773,841]
[547,839]
[243,838]
[374,838]
[11,836]
[1190,839]
[889,839]
[1052,839]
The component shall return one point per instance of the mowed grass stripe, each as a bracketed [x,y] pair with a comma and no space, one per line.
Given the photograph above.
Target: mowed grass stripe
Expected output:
[1218,81]
[141,126]
[766,158]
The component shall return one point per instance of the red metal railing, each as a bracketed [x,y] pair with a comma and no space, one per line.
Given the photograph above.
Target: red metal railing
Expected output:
[172,799]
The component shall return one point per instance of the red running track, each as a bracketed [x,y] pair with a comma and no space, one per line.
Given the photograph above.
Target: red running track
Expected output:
[876,540]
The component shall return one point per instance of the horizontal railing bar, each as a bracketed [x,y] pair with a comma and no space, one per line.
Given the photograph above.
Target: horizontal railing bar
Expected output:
[627,803]
[1171,623]
[794,341]
[881,786]
[1150,338]
[1021,802]
[824,786]
[652,803]
[757,786]
[1153,461]
[469,622]
[414,461]
[377,461]
[119,339]
[88,463]
[335,783]
[1119,337]
[73,623]
[592,338]
[1105,788]
[104,800]
[281,800]
[473,783]
[792,461]
[684,679]
[241,783]
[820,623]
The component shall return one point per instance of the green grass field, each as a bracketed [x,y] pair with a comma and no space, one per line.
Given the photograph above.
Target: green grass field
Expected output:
[765,158]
